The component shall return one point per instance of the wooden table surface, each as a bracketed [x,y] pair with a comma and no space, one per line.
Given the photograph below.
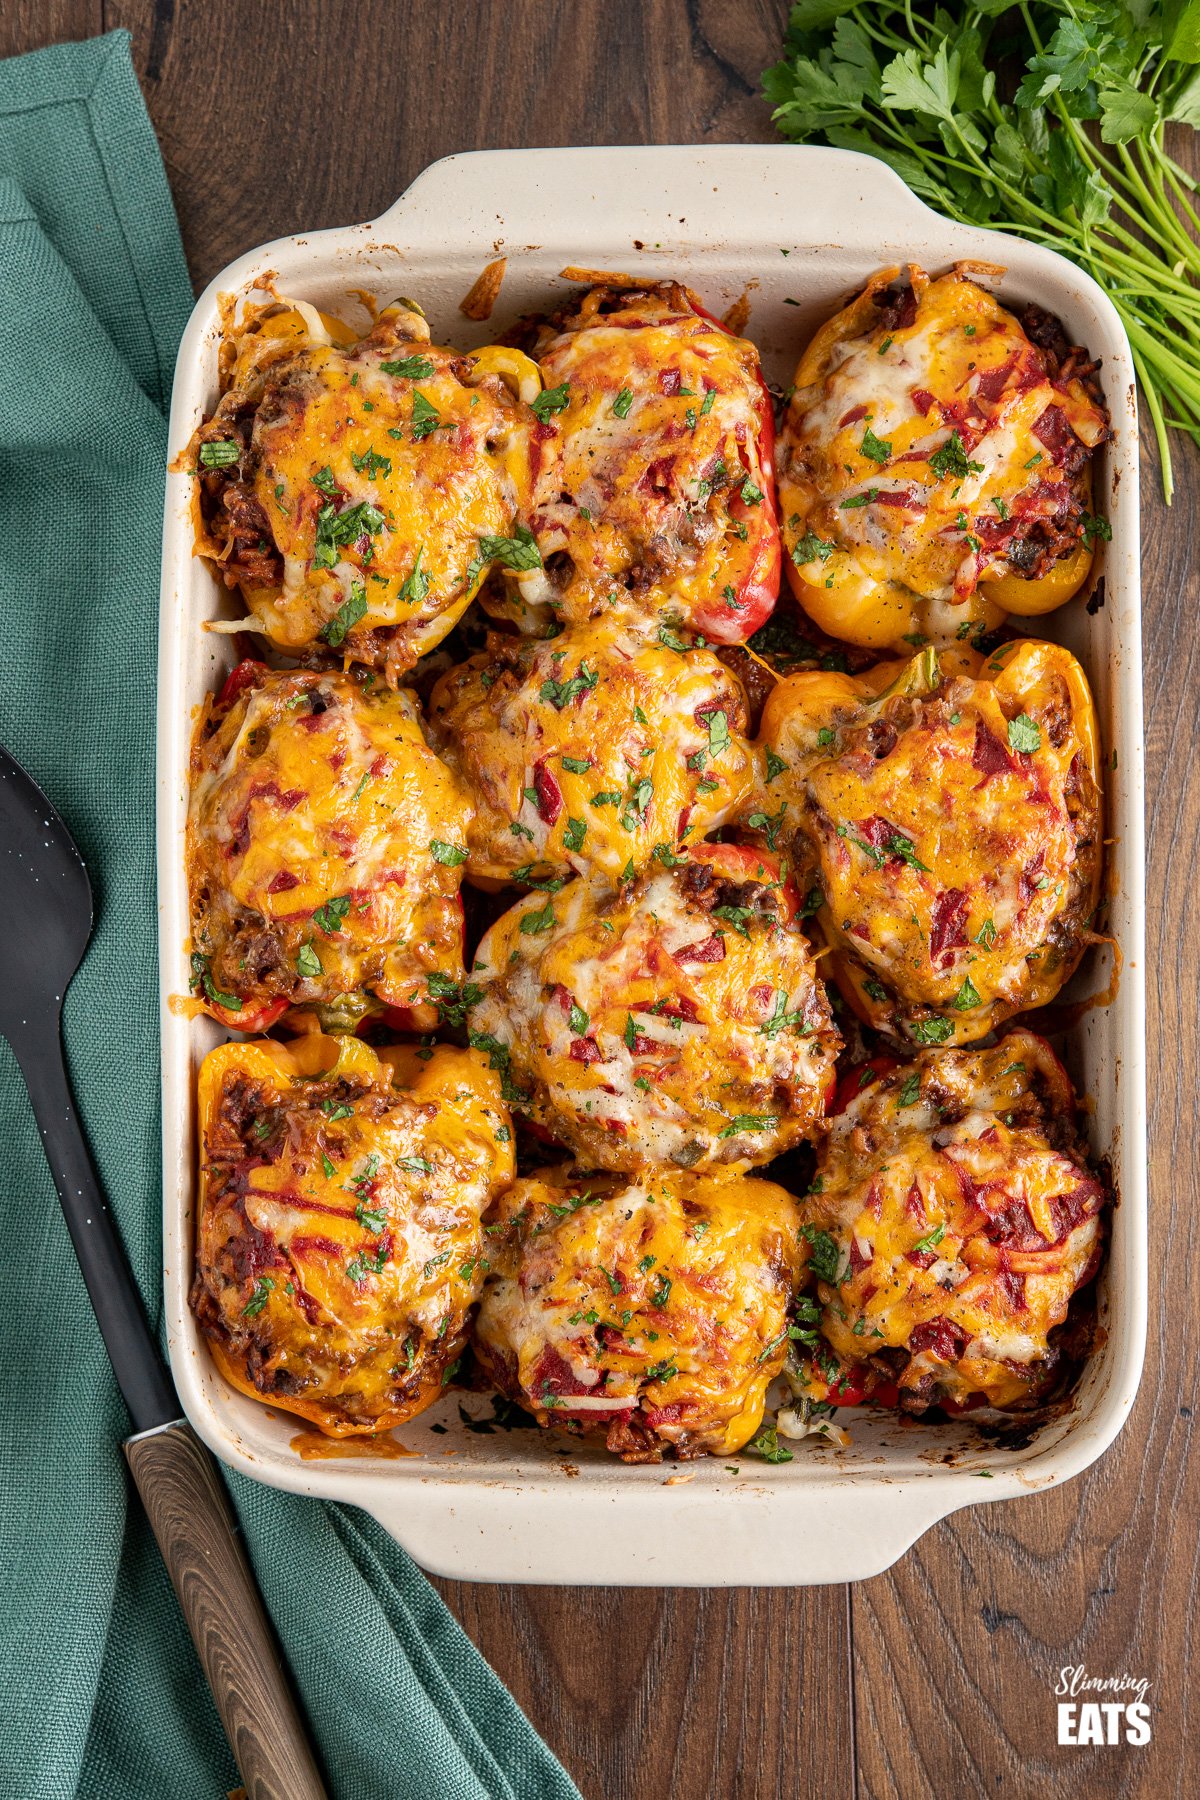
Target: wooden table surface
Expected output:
[935,1679]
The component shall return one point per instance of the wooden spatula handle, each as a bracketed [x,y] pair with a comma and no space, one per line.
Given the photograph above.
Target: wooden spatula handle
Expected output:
[191,1516]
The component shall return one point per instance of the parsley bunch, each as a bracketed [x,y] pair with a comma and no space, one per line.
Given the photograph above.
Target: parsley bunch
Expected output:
[1047,120]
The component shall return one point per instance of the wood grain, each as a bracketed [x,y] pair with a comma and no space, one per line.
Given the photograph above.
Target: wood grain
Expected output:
[933,1680]
[192,1519]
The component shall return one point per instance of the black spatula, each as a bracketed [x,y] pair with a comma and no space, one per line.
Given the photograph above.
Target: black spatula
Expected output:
[43,882]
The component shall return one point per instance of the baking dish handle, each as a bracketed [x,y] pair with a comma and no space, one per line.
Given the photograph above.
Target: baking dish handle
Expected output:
[663,195]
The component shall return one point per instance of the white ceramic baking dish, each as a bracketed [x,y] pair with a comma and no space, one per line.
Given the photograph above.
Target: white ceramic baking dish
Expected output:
[800,229]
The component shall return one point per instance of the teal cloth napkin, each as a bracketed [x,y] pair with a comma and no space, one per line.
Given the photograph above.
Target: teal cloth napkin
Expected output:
[100,1692]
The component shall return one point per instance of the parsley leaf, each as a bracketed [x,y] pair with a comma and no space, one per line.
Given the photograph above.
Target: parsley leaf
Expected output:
[824,1254]
[1024,734]
[811,548]
[410,368]
[879,450]
[518,552]
[560,694]
[552,400]
[328,918]
[951,459]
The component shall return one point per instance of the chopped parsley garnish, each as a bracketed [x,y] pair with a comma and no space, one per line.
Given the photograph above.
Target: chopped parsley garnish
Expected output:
[1095,525]
[415,587]
[371,462]
[346,617]
[737,916]
[552,400]
[450,855]
[574,834]
[987,934]
[425,417]
[414,1165]
[767,1445]
[879,450]
[672,640]
[931,1239]
[623,402]
[857,500]
[578,1020]
[904,848]
[409,368]
[775,766]
[452,1001]
[768,824]
[519,552]
[749,1122]
[811,548]
[337,529]
[1024,734]
[329,917]
[718,733]
[952,459]
[560,694]
[966,997]
[825,1256]
[308,963]
[263,1288]
[362,1265]
[577,765]
[751,494]
[781,1019]
[932,1031]
[909,1092]
[370,1218]
[534,922]
[200,978]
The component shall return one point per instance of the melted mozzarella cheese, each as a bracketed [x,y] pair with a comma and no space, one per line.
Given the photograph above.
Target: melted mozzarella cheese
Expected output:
[890,401]
[957,872]
[663,1300]
[648,1029]
[961,1239]
[340,1245]
[651,467]
[379,468]
[316,814]
[592,752]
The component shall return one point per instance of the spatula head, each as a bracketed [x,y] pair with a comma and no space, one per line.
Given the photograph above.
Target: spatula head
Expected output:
[45,901]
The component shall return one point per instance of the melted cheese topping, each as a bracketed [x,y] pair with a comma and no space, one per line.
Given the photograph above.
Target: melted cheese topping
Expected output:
[339,1245]
[644,1028]
[657,482]
[961,1234]
[953,832]
[591,750]
[658,1309]
[882,526]
[324,844]
[379,468]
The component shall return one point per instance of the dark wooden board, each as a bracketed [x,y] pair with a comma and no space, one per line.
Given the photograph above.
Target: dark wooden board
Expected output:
[936,1679]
